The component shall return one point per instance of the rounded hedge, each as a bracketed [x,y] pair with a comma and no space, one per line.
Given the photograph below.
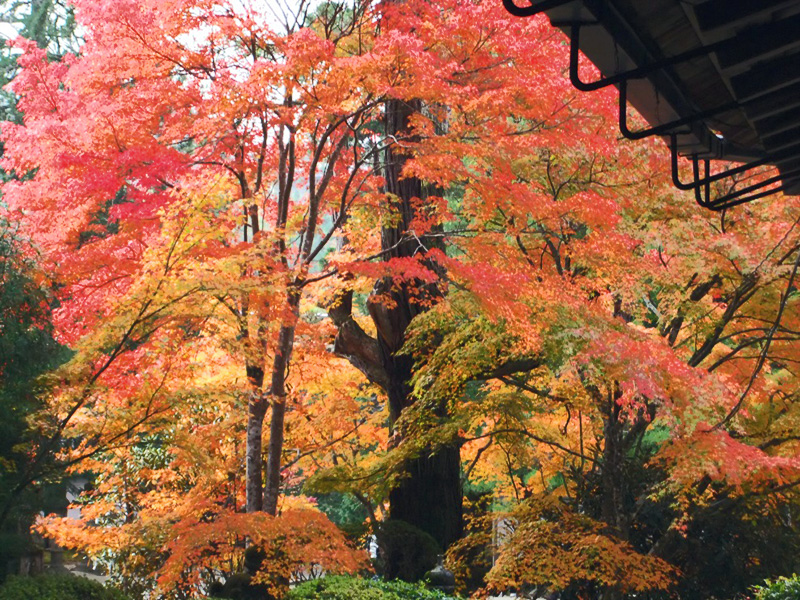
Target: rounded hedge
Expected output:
[406,552]
[338,587]
[57,587]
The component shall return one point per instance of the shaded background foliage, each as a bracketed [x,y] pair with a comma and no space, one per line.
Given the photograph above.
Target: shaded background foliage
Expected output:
[27,345]
[27,350]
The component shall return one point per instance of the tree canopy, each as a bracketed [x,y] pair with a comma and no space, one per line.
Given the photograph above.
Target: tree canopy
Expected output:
[359,248]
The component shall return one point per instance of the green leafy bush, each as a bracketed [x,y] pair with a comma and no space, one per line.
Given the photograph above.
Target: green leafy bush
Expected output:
[57,587]
[783,588]
[406,552]
[341,587]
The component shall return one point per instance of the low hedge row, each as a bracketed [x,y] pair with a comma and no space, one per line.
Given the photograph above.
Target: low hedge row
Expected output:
[57,587]
[355,588]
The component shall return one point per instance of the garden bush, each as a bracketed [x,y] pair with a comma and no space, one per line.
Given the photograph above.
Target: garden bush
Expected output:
[783,588]
[339,587]
[57,587]
[406,552]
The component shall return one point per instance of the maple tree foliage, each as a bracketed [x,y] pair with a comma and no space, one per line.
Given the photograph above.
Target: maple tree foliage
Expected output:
[203,181]
[471,76]
[155,407]
[204,112]
[507,176]
[611,346]
[217,161]
[611,337]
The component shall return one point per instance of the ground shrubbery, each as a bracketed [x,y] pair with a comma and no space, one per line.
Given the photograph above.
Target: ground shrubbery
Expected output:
[407,552]
[783,588]
[355,588]
[57,587]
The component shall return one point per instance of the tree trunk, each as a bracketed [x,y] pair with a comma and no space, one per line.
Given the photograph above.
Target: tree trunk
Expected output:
[275,452]
[278,395]
[257,408]
[612,475]
[37,27]
[430,498]
[255,425]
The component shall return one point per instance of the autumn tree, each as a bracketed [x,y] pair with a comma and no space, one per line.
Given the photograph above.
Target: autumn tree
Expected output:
[205,179]
[198,178]
[220,164]
[477,70]
[283,131]
[280,114]
[656,362]
[480,70]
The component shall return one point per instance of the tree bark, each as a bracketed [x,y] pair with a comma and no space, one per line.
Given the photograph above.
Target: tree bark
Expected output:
[275,452]
[257,408]
[278,396]
[612,471]
[430,498]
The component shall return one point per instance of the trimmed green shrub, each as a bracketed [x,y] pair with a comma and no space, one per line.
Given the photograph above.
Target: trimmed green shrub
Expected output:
[57,587]
[340,587]
[405,552]
[783,588]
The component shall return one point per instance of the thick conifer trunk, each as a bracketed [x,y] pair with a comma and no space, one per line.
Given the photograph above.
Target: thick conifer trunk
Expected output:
[430,498]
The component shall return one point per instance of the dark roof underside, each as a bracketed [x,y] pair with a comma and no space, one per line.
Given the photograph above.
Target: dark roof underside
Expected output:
[726,71]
